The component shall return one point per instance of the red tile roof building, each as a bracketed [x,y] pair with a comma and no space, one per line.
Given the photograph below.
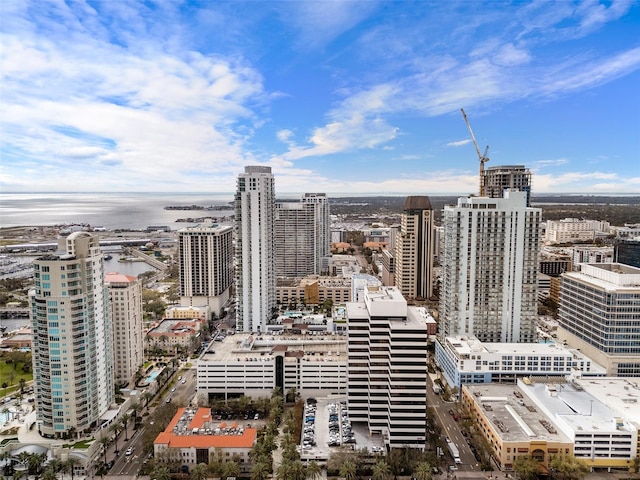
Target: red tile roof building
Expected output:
[193,436]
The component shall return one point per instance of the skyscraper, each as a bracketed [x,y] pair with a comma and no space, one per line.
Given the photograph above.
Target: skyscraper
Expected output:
[302,236]
[205,260]
[414,244]
[72,337]
[387,366]
[255,265]
[501,178]
[125,307]
[489,269]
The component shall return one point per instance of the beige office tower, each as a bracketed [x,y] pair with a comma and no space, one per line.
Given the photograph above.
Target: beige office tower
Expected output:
[490,269]
[205,261]
[414,244]
[125,305]
[72,338]
[255,260]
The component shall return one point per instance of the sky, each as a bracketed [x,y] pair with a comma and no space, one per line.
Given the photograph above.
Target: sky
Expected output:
[342,97]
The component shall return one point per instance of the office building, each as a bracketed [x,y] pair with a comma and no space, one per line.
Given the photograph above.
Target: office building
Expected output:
[490,268]
[572,230]
[600,315]
[125,306]
[194,437]
[628,251]
[414,249]
[503,178]
[387,366]
[302,236]
[205,260]
[72,338]
[255,259]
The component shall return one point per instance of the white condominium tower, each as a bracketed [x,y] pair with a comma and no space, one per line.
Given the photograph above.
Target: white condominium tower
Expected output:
[205,259]
[125,305]
[414,246]
[72,338]
[387,366]
[489,269]
[302,236]
[255,265]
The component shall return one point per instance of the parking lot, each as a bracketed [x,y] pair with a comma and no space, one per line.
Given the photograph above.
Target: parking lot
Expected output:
[332,430]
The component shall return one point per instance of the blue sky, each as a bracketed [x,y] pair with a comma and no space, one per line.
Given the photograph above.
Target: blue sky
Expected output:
[357,97]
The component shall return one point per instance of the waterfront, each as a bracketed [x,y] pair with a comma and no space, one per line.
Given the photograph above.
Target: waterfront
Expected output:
[125,211]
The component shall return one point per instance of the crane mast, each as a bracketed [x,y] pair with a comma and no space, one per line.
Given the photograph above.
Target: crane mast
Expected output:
[481,156]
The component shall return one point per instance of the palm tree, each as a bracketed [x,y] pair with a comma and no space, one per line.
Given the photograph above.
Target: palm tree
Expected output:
[104,442]
[135,408]
[71,464]
[314,470]
[115,428]
[56,465]
[422,471]
[124,422]
[160,472]
[199,472]
[260,471]
[22,383]
[146,396]
[348,470]
[231,469]
[48,474]
[381,470]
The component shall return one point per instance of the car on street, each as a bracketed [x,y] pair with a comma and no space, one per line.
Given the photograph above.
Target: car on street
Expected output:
[129,451]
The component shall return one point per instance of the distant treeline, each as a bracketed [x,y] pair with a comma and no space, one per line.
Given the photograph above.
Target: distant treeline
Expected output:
[613,209]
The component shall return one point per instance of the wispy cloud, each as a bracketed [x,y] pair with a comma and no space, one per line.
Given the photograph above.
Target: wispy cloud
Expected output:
[458,143]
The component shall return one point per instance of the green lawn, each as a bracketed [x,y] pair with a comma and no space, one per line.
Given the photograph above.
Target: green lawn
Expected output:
[11,373]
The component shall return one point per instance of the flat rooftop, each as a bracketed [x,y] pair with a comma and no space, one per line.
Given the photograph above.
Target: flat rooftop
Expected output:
[321,347]
[621,394]
[576,408]
[176,325]
[514,415]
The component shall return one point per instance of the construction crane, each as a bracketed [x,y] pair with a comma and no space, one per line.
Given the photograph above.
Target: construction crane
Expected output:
[481,156]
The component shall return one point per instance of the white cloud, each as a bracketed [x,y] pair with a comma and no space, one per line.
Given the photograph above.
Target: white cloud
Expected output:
[458,143]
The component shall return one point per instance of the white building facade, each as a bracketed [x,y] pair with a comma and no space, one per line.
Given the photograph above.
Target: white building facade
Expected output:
[387,367]
[255,260]
[125,306]
[72,338]
[489,269]
[205,260]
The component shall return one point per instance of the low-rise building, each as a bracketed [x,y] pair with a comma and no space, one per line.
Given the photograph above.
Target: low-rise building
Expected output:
[464,359]
[544,419]
[172,333]
[313,290]
[193,437]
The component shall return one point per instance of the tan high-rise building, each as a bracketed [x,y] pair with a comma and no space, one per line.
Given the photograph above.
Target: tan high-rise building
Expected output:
[205,259]
[72,338]
[414,249]
[125,304]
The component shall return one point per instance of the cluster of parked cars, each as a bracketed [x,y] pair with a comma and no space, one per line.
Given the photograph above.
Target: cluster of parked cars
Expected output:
[339,425]
[309,429]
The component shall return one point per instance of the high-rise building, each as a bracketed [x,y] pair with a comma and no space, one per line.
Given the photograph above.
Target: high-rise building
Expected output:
[205,259]
[489,269]
[414,244]
[302,236]
[72,337]
[255,260]
[502,178]
[600,315]
[125,306]
[387,366]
